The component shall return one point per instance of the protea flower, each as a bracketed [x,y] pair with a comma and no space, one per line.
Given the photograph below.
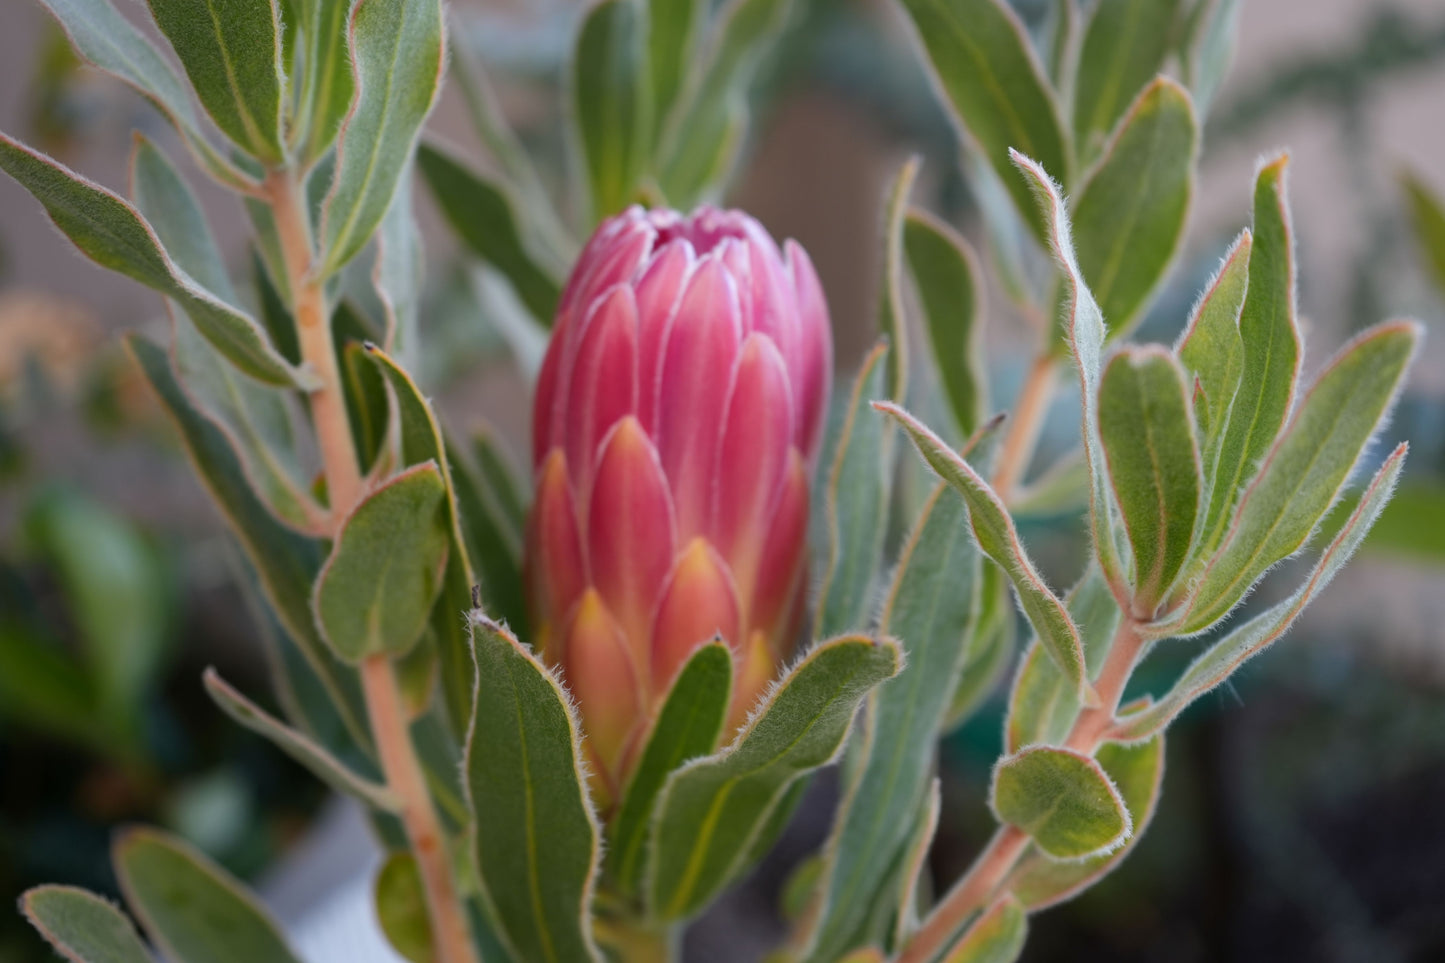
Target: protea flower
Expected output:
[678,411]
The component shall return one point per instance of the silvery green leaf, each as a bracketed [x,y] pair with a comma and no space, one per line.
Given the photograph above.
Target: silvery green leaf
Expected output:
[494,542]
[946,275]
[611,103]
[1061,489]
[535,838]
[111,232]
[1063,25]
[1129,214]
[1062,799]
[891,321]
[997,936]
[400,272]
[1124,46]
[1147,430]
[915,864]
[994,88]
[193,909]
[1213,352]
[326,82]
[82,927]
[396,57]
[1208,48]
[990,650]
[231,51]
[994,530]
[713,808]
[1305,472]
[672,28]
[1222,658]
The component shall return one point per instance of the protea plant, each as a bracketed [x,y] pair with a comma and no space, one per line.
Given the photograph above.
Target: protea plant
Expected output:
[678,411]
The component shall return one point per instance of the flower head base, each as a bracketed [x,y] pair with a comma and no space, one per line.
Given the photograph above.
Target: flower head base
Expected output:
[678,410]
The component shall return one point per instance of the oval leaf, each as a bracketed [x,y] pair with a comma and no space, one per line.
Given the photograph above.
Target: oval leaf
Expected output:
[1062,799]
[81,926]
[400,904]
[1212,351]
[1124,47]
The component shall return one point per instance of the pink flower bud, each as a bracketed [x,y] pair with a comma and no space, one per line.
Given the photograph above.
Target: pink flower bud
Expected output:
[678,412]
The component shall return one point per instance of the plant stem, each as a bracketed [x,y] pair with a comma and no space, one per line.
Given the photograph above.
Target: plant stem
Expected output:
[389,724]
[1024,426]
[977,888]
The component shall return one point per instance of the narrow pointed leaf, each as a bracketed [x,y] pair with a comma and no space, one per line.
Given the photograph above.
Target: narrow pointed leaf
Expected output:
[672,27]
[993,86]
[712,809]
[1129,215]
[485,218]
[492,543]
[946,274]
[193,909]
[990,649]
[1124,46]
[855,492]
[327,84]
[687,727]
[322,764]
[611,102]
[231,51]
[1305,472]
[1222,658]
[1208,48]
[400,904]
[82,927]
[109,231]
[396,58]
[1148,436]
[1427,213]
[1062,799]
[891,321]
[500,476]
[400,272]
[915,864]
[1213,352]
[999,539]
[535,838]
[997,936]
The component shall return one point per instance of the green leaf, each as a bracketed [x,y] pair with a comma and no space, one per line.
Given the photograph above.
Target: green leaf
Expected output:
[536,838]
[611,103]
[231,51]
[1222,658]
[914,867]
[326,83]
[1138,772]
[485,217]
[1124,47]
[994,530]
[492,541]
[1427,213]
[367,405]
[400,904]
[400,272]
[1148,436]
[44,688]
[192,909]
[1413,525]
[1129,215]
[688,726]
[1062,799]
[377,589]
[112,233]
[1208,47]
[997,936]
[946,274]
[891,320]
[990,650]
[1059,490]
[931,605]
[1271,339]
[1212,351]
[989,78]
[711,810]
[855,507]
[671,42]
[1307,469]
[396,59]
[322,764]
[82,927]
[285,562]
[501,478]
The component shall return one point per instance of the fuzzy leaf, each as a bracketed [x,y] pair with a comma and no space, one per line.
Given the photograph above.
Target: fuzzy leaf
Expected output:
[1207,48]
[193,909]
[1124,47]
[1222,658]
[672,28]
[1138,772]
[1271,339]
[1144,423]
[713,808]
[232,53]
[322,764]
[611,103]
[109,231]
[485,217]
[991,82]
[946,273]
[855,493]
[1129,215]
[997,936]
[931,604]
[327,84]
[400,272]
[1062,799]
[396,59]
[999,539]
[1212,351]
[82,927]
[1308,467]
[891,321]
[376,591]
[990,649]
[535,838]
[687,726]
[400,904]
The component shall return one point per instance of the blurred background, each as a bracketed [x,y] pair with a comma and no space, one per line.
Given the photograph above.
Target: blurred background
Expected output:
[1302,809]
